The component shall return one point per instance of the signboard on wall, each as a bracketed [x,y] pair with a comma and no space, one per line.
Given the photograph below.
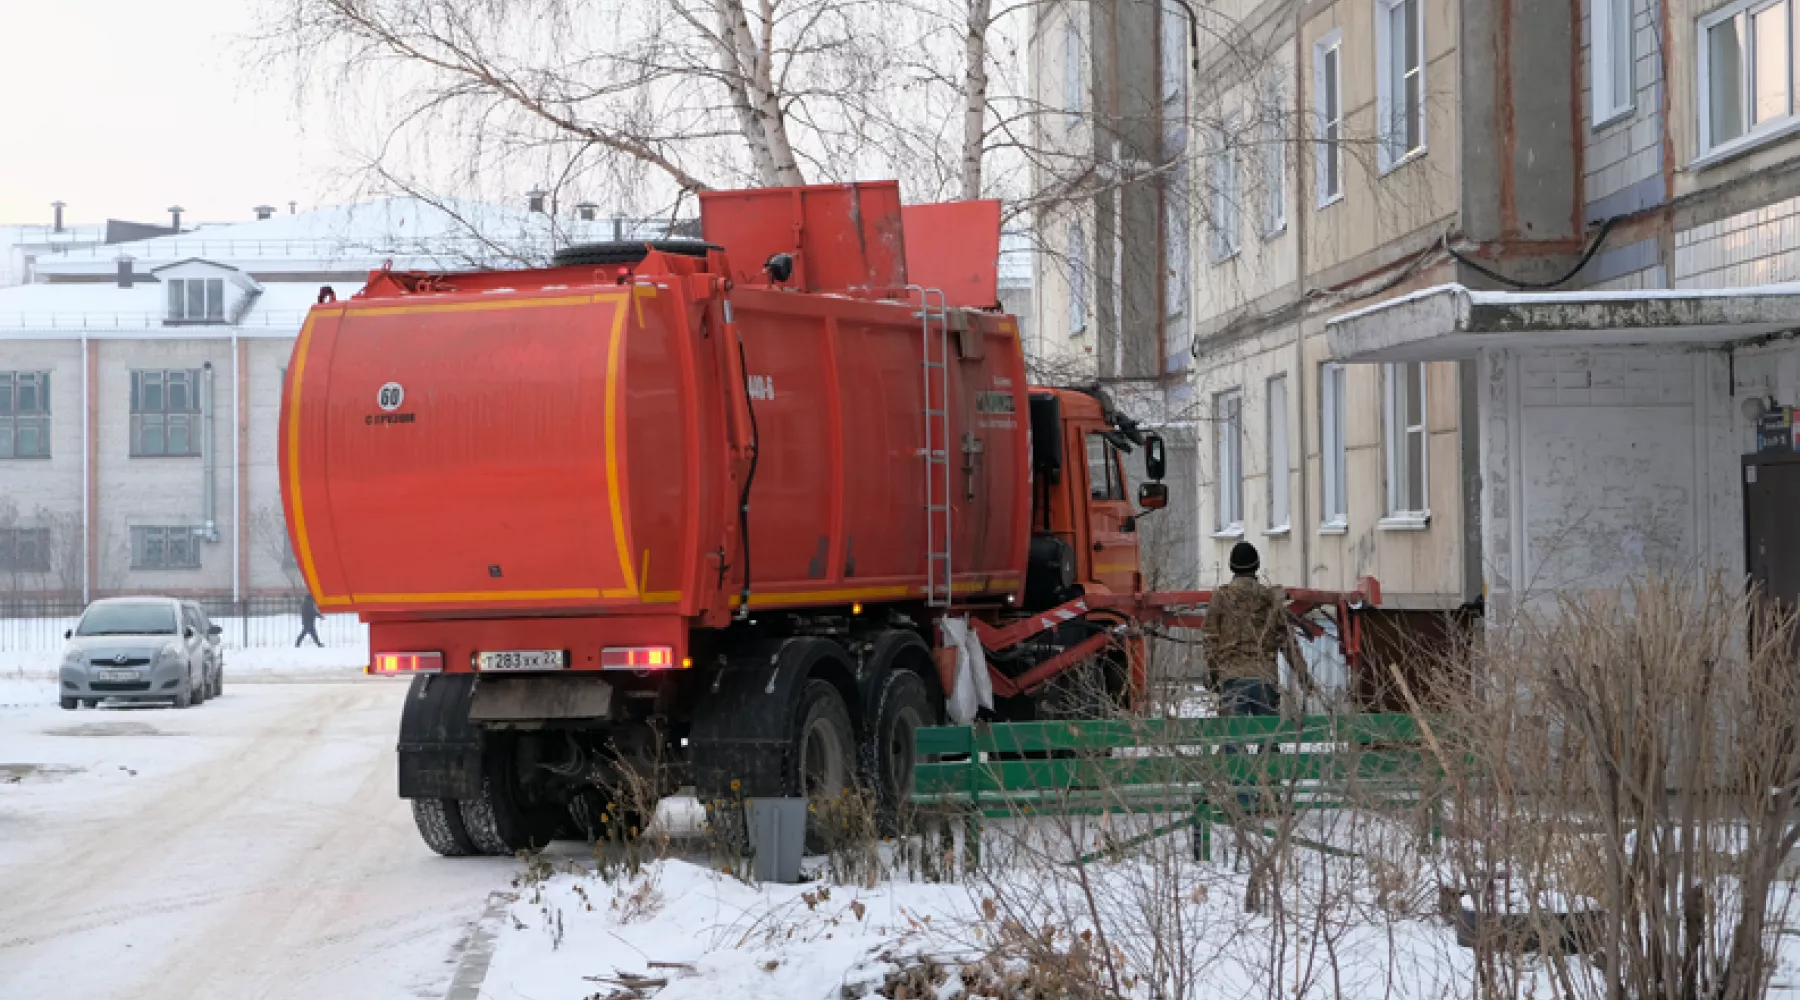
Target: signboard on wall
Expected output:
[1775,429]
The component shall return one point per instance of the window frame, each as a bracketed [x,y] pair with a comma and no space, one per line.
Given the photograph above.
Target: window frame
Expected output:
[1274,171]
[1390,157]
[10,539]
[1334,486]
[1606,107]
[1753,134]
[1109,457]
[13,416]
[139,412]
[1228,463]
[1328,151]
[212,302]
[1074,102]
[1078,279]
[1278,454]
[141,534]
[1396,443]
[1226,194]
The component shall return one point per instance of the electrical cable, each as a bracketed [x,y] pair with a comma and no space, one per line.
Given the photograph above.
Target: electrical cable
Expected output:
[1593,247]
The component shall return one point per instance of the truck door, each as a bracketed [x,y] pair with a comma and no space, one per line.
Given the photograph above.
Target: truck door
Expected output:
[1113,548]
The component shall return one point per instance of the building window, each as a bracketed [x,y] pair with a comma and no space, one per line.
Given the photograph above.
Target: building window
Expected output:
[196,300]
[24,550]
[165,412]
[1274,172]
[1746,83]
[1072,74]
[1609,59]
[1226,199]
[1103,470]
[1336,504]
[1279,468]
[164,548]
[1406,440]
[24,414]
[1228,487]
[1078,280]
[1400,79]
[1329,107]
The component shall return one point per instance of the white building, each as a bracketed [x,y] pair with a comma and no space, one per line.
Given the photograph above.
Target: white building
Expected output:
[140,386]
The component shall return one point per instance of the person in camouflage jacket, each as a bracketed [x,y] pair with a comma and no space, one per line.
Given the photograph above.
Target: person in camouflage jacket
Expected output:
[1246,626]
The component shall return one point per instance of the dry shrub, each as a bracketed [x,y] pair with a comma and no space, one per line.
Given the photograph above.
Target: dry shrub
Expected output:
[1625,766]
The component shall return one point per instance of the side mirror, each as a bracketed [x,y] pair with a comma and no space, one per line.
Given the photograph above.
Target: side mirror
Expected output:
[68,633]
[1153,496]
[1155,465]
[188,632]
[215,630]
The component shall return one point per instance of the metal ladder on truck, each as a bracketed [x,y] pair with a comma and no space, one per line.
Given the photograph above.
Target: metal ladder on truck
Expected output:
[935,364]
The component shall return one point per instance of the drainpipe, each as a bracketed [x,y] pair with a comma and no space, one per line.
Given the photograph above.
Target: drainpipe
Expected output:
[209,519]
[237,514]
[87,452]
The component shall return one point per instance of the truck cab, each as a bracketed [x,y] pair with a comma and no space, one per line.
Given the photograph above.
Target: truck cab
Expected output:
[1083,520]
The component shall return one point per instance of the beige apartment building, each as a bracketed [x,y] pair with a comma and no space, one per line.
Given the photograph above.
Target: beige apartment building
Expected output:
[1486,300]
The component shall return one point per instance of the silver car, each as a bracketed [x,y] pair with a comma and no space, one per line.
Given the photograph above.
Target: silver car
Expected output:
[137,649]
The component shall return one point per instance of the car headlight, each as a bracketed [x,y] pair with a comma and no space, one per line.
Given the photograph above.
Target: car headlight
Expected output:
[171,652]
[73,658]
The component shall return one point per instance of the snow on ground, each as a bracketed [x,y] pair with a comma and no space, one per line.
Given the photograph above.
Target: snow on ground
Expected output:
[30,678]
[252,846]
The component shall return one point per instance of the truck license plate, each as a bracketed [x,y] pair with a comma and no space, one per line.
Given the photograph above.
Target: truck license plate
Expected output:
[521,659]
[118,675]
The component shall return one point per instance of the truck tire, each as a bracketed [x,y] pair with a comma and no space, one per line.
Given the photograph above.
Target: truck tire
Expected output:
[503,820]
[902,706]
[441,827]
[824,755]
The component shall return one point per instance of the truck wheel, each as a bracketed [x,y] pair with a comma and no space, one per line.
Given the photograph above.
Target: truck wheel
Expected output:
[824,758]
[505,819]
[441,827]
[902,706]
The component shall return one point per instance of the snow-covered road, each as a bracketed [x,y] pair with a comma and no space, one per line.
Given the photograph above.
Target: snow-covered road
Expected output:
[249,847]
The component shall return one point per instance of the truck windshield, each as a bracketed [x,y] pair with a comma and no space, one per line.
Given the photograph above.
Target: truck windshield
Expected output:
[140,618]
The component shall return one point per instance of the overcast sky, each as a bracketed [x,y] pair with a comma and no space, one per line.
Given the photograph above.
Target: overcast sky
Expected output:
[123,108]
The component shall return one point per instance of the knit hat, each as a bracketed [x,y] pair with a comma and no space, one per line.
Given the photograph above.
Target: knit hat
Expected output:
[1244,560]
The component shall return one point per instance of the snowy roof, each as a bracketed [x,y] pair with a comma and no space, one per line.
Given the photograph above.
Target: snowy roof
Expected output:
[411,232]
[104,310]
[1447,322]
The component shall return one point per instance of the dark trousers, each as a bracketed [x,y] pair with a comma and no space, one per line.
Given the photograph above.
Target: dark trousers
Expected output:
[1248,696]
[308,629]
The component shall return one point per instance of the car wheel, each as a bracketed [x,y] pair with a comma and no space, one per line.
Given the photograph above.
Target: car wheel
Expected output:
[219,682]
[184,698]
[68,704]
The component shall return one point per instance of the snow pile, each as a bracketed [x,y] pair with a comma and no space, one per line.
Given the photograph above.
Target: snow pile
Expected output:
[679,931]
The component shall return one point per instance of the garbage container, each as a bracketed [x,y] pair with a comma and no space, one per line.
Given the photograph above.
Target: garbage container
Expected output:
[777,829]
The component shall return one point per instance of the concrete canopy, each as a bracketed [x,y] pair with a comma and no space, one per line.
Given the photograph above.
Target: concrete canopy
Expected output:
[1450,322]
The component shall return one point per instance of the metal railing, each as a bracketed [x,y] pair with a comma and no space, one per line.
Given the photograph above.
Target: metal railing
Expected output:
[283,318]
[36,625]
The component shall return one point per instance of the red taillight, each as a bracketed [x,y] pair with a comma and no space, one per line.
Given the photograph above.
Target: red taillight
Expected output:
[406,663]
[638,658]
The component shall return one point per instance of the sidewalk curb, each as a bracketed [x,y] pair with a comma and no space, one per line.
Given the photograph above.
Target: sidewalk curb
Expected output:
[477,951]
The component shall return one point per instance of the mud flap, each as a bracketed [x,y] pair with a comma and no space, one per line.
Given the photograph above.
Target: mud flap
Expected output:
[741,725]
[439,749]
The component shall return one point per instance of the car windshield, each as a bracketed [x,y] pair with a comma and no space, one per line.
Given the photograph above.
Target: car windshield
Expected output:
[140,618]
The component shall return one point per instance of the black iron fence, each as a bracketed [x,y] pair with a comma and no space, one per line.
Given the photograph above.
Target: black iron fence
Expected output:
[37,624]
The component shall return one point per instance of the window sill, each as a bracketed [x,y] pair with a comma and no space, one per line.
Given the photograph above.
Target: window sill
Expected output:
[1334,528]
[1278,531]
[24,458]
[1078,334]
[1225,258]
[159,454]
[1411,155]
[1404,522]
[1224,534]
[1613,117]
[1325,203]
[1749,142]
[1273,232]
[195,322]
